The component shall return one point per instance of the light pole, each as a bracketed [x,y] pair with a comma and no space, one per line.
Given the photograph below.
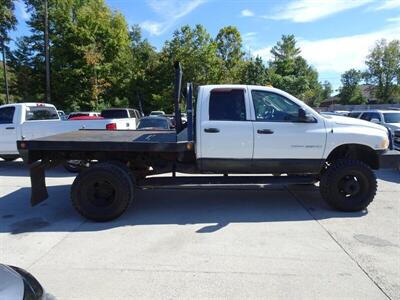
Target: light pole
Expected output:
[5,71]
[46,51]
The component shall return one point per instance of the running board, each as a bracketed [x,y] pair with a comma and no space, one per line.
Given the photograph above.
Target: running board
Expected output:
[223,181]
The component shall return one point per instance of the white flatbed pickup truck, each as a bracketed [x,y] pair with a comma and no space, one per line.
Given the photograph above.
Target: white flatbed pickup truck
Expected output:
[26,121]
[237,129]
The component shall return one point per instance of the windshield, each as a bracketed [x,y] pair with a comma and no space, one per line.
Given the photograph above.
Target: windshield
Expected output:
[153,123]
[115,114]
[34,113]
[156,113]
[392,117]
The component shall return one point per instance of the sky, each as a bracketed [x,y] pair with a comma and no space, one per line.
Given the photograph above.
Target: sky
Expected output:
[334,35]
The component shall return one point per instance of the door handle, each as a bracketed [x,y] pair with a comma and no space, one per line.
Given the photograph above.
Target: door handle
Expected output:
[265,131]
[211,130]
[10,128]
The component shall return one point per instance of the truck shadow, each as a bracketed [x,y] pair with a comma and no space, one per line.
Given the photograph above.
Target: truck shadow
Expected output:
[213,208]
[19,169]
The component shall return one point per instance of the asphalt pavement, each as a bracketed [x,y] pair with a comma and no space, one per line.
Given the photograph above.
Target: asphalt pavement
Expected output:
[272,243]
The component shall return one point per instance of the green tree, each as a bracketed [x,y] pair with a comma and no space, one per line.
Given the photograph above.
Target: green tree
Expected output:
[145,63]
[350,92]
[253,71]
[90,54]
[290,72]
[196,51]
[383,70]
[229,49]
[326,90]
[8,22]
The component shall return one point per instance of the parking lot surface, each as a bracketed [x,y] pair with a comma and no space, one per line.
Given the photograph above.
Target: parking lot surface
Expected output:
[272,243]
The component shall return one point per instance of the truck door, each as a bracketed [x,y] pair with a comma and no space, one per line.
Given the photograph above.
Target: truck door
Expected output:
[226,135]
[282,142]
[8,131]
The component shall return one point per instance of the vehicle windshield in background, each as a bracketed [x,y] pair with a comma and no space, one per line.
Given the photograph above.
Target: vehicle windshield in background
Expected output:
[114,114]
[34,113]
[354,114]
[392,117]
[157,113]
[153,123]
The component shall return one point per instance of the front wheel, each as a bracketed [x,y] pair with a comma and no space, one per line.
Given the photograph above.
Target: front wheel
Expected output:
[348,185]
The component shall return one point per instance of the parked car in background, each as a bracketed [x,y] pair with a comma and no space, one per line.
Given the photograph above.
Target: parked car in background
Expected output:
[27,121]
[62,114]
[80,118]
[120,113]
[354,114]
[18,284]
[329,113]
[155,122]
[341,112]
[83,114]
[157,113]
[388,118]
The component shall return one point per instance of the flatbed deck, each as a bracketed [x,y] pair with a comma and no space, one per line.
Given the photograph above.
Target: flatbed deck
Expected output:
[121,140]
[105,141]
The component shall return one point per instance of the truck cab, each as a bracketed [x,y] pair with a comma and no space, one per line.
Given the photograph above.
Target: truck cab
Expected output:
[262,129]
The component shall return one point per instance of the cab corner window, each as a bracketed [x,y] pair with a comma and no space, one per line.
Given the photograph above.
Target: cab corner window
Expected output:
[272,107]
[7,115]
[227,105]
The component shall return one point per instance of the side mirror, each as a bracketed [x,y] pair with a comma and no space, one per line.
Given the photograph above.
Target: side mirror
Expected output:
[375,120]
[304,118]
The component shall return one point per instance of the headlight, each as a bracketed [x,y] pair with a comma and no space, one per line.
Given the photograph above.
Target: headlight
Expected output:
[385,143]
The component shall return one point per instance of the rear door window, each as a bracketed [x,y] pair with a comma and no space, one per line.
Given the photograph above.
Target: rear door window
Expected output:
[7,115]
[227,105]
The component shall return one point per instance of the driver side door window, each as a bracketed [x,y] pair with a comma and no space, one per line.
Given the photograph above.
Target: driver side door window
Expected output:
[271,107]
[278,134]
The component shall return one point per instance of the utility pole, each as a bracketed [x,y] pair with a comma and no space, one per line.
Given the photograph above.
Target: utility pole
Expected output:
[46,51]
[3,46]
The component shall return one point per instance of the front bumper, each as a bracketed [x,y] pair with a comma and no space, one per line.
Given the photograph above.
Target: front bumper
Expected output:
[389,160]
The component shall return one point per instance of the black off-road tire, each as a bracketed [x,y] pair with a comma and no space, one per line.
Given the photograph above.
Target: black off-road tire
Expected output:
[343,178]
[9,158]
[102,192]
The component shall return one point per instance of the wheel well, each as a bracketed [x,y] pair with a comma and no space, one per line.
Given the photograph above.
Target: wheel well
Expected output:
[355,151]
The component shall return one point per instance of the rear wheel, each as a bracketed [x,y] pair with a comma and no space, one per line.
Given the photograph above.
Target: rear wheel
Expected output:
[348,185]
[9,157]
[102,192]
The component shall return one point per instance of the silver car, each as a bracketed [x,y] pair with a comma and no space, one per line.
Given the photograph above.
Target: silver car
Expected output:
[18,284]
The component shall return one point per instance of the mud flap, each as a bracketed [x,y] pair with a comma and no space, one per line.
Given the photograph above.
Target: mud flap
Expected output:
[38,183]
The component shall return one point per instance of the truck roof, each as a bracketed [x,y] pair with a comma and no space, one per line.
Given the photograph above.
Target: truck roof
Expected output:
[29,104]
[244,86]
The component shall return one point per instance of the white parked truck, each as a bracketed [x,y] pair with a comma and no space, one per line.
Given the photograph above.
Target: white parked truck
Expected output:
[237,129]
[26,121]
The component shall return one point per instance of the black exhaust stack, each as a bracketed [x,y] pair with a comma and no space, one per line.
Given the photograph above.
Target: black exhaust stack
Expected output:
[189,111]
[178,86]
